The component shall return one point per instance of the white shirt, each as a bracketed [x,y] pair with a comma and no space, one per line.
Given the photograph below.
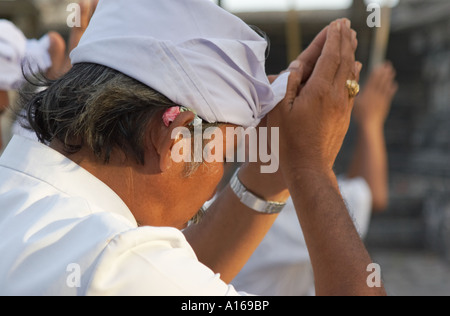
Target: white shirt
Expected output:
[64,232]
[281,264]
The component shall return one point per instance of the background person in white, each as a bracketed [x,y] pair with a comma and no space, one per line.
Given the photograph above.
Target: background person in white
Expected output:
[51,48]
[19,54]
[274,268]
[106,196]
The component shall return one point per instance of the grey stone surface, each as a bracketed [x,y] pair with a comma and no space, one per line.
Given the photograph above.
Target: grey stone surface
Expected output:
[413,272]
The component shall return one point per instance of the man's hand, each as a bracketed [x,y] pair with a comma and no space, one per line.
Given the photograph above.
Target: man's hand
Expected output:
[307,60]
[313,121]
[314,118]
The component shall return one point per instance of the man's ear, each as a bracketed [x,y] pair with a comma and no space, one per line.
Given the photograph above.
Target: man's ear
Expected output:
[164,141]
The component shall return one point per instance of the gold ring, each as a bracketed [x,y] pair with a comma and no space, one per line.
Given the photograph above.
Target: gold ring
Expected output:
[353,88]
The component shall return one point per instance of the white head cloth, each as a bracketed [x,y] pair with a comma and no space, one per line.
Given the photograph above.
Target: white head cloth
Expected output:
[192,51]
[16,51]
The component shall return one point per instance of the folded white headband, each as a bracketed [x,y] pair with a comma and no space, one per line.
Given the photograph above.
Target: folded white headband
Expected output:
[192,51]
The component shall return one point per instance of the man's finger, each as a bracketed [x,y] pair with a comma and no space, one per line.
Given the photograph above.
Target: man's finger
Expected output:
[293,88]
[357,71]
[310,56]
[347,65]
[329,61]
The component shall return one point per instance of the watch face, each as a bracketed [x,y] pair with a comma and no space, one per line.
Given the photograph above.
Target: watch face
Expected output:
[274,208]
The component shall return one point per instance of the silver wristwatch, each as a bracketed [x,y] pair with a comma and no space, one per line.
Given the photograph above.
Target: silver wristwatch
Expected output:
[252,201]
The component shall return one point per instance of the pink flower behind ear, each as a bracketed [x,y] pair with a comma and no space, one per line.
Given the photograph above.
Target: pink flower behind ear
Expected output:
[170,115]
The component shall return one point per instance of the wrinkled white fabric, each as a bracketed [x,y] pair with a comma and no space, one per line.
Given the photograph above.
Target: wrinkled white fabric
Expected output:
[37,58]
[12,51]
[18,55]
[64,232]
[192,51]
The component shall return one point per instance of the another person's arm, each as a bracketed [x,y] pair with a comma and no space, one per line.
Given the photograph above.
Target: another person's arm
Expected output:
[4,100]
[371,110]
[4,103]
[87,8]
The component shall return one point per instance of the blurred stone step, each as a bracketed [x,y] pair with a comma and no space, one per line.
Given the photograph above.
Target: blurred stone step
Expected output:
[390,233]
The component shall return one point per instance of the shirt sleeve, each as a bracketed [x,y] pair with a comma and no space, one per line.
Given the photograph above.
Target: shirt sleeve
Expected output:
[358,197]
[154,262]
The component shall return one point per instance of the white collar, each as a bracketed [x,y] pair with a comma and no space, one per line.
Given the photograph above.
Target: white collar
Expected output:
[41,162]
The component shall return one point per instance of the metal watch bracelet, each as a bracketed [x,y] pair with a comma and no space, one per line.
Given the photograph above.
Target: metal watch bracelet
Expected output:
[251,200]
